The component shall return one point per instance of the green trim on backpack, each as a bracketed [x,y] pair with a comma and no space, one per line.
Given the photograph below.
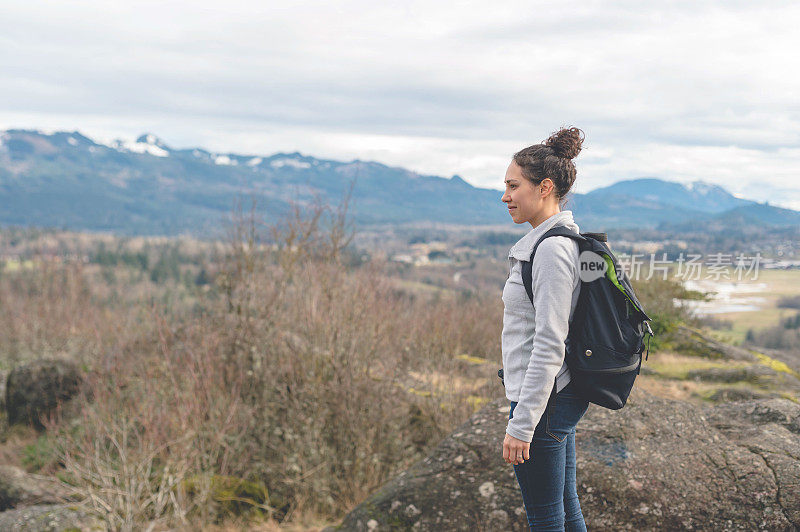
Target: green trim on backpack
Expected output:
[611,273]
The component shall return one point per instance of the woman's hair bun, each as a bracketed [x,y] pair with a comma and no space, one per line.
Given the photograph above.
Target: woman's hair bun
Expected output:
[566,142]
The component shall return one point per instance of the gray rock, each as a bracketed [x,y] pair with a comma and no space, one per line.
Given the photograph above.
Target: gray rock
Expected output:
[721,395]
[759,380]
[665,464]
[754,374]
[35,389]
[656,464]
[690,341]
[763,374]
[18,488]
[49,518]
[461,485]
[3,377]
[770,430]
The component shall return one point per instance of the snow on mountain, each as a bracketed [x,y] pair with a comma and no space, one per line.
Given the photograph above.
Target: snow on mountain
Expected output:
[144,147]
[108,142]
[701,187]
[149,138]
[47,132]
[146,143]
[225,160]
[279,163]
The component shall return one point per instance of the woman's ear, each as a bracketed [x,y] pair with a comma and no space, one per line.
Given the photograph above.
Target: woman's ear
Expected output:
[545,186]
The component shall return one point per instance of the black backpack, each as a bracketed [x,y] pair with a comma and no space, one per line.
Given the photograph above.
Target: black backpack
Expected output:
[605,342]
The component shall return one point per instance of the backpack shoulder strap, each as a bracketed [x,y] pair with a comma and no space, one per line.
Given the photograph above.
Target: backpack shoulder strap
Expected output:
[527,265]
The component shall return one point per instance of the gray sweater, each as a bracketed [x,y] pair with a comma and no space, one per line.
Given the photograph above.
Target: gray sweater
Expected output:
[533,335]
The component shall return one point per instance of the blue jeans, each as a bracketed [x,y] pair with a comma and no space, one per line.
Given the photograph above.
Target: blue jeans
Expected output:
[547,479]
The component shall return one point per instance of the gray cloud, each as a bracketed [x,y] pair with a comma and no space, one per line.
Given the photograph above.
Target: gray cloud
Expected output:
[684,91]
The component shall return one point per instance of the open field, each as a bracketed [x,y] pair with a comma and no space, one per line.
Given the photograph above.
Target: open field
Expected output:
[763,293]
[779,283]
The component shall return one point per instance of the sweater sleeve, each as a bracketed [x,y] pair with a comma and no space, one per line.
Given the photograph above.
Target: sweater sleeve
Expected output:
[554,272]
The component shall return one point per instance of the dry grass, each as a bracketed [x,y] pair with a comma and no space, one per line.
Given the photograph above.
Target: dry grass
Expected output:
[280,395]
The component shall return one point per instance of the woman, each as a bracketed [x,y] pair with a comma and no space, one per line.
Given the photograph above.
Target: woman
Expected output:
[540,437]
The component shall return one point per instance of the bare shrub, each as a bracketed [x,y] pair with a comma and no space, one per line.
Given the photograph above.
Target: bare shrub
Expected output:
[300,371]
[658,296]
[785,335]
[158,418]
[789,302]
[328,351]
[34,327]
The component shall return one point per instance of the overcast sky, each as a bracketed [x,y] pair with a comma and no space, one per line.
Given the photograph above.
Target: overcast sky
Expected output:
[691,90]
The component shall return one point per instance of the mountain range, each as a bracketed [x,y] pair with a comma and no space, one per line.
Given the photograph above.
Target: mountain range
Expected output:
[67,180]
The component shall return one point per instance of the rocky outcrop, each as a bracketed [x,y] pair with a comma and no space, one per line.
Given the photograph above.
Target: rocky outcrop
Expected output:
[37,388]
[770,430]
[656,464]
[759,380]
[753,374]
[464,484]
[49,518]
[691,341]
[18,488]
[665,464]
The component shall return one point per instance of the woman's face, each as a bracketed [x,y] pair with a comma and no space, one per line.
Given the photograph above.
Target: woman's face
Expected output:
[523,198]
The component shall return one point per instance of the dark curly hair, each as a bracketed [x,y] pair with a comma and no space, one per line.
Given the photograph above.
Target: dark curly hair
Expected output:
[553,159]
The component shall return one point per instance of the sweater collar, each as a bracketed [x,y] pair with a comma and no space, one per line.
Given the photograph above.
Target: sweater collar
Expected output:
[524,247]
